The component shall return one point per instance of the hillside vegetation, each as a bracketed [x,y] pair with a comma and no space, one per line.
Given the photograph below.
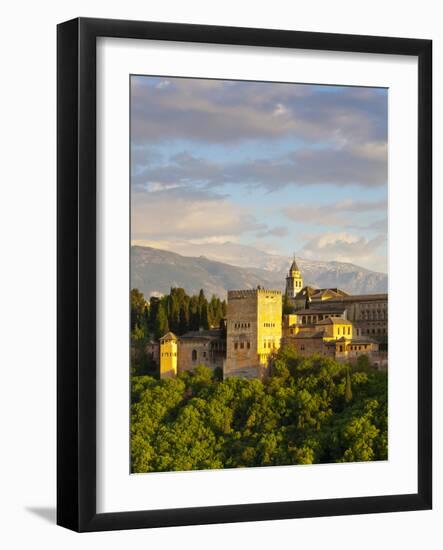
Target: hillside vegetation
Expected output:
[312,410]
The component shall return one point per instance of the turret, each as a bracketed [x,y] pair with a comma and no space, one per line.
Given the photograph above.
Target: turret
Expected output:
[294,280]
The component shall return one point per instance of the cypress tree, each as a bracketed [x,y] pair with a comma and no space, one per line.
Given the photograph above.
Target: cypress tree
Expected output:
[204,320]
[161,322]
[348,387]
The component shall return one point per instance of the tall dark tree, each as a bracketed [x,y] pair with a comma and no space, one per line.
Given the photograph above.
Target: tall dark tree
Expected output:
[139,310]
[161,322]
[154,303]
[194,313]
[348,387]
[183,318]
[204,319]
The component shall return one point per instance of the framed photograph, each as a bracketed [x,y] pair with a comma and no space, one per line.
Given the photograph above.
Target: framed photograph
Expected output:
[244,274]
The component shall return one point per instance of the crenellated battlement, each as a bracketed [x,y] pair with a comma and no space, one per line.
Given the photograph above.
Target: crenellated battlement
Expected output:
[238,294]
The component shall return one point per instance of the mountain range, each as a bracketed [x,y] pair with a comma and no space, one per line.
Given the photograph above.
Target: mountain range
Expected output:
[155,271]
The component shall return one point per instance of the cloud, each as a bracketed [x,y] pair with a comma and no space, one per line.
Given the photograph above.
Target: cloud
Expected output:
[229,111]
[279,231]
[345,213]
[341,132]
[362,166]
[175,214]
[346,247]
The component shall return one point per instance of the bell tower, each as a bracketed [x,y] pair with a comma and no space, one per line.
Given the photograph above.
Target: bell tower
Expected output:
[294,280]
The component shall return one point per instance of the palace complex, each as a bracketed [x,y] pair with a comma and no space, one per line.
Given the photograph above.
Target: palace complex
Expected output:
[325,321]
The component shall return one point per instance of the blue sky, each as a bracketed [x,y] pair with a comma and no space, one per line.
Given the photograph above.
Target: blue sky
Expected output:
[285,168]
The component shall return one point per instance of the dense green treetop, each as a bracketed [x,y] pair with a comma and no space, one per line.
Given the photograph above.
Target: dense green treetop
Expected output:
[311,410]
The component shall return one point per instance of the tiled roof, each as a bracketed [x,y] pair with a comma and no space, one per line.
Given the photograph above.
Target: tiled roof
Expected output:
[294,266]
[302,335]
[211,334]
[169,336]
[319,311]
[334,321]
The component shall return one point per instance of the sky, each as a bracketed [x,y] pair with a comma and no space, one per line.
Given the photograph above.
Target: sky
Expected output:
[286,168]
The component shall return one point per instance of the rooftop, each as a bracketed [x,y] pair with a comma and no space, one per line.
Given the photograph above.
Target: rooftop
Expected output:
[211,334]
[303,335]
[294,266]
[169,336]
[319,311]
[334,321]
[363,298]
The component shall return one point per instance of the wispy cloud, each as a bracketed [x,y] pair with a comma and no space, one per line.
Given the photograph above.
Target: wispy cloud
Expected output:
[347,247]
[345,213]
[360,166]
[220,111]
[190,216]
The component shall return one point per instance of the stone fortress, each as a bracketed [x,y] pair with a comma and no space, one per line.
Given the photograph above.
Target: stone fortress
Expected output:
[325,321]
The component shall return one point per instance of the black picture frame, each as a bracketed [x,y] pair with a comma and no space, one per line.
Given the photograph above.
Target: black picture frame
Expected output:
[76,280]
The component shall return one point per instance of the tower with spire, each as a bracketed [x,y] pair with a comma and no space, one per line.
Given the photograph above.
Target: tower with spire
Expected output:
[294,280]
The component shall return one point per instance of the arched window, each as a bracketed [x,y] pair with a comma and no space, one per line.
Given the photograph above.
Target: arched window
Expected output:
[194,355]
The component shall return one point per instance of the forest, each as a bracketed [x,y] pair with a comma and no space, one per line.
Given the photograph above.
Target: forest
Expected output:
[311,410]
[177,312]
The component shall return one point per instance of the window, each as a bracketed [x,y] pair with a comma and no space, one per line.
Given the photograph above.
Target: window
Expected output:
[242,345]
[235,345]
[194,355]
[349,330]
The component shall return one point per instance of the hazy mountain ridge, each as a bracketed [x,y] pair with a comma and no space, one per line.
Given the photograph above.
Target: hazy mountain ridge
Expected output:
[155,271]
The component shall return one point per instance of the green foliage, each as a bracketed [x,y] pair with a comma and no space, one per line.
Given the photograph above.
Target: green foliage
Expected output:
[161,326]
[140,319]
[139,310]
[348,387]
[175,311]
[287,307]
[301,415]
[363,362]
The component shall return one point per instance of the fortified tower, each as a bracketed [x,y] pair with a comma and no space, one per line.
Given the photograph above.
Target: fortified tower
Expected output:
[254,330]
[168,355]
[294,281]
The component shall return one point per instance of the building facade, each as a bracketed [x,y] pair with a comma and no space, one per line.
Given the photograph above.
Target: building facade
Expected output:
[203,347]
[254,330]
[168,345]
[367,312]
[175,354]
[327,321]
[294,282]
[333,337]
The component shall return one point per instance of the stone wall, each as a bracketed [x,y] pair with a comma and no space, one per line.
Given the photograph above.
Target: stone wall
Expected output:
[195,351]
[254,329]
